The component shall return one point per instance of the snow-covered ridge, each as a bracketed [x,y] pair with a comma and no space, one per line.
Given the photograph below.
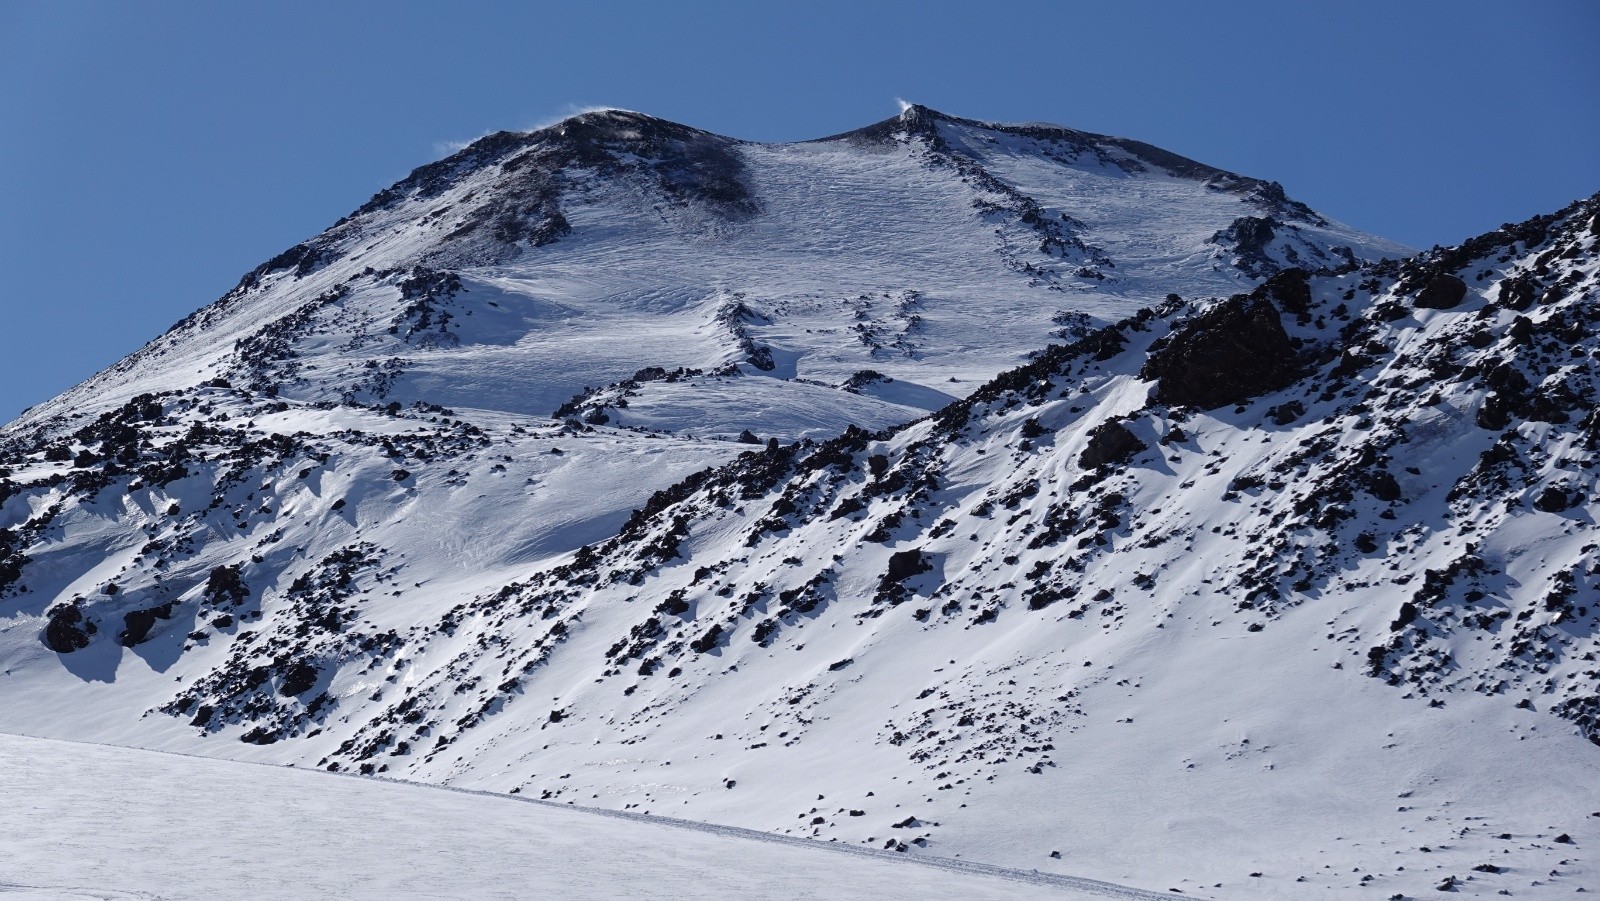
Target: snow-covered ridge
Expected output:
[942,249]
[1114,575]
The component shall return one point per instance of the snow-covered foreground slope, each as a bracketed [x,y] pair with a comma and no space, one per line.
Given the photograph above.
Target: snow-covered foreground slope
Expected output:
[1299,583]
[87,821]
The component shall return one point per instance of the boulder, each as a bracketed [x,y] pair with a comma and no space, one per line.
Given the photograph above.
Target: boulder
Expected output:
[1110,442]
[1383,485]
[1551,500]
[1445,292]
[1287,413]
[298,679]
[1518,292]
[903,565]
[1290,289]
[136,624]
[67,630]
[1232,352]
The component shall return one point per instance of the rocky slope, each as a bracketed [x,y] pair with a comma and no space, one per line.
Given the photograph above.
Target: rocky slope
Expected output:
[1295,577]
[613,248]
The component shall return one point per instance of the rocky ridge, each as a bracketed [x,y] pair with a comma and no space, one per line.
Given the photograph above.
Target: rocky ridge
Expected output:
[294,554]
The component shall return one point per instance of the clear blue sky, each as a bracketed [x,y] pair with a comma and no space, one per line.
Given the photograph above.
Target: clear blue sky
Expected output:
[151,153]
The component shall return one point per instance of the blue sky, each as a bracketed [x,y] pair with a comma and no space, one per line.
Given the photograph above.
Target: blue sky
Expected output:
[152,153]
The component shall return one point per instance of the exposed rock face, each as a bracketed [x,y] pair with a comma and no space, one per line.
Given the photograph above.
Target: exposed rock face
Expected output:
[1110,442]
[1445,292]
[298,679]
[903,565]
[946,600]
[1290,290]
[683,163]
[1249,233]
[67,629]
[1551,500]
[1518,292]
[138,623]
[1232,352]
[1250,237]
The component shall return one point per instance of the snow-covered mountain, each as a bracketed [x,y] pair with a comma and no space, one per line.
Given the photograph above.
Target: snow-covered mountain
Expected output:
[1106,513]
[773,281]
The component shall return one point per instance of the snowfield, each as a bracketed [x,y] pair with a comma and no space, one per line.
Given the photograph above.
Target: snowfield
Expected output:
[86,821]
[1002,494]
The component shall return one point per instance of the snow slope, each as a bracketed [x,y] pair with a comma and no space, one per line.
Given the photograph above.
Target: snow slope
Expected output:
[1271,584]
[927,248]
[91,821]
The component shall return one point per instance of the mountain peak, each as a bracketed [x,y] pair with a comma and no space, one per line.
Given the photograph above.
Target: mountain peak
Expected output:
[610,118]
[917,112]
[1022,209]
[889,470]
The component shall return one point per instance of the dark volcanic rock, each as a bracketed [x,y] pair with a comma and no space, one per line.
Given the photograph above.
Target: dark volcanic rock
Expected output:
[1287,413]
[1230,353]
[1509,395]
[1518,292]
[1249,236]
[1110,442]
[1383,486]
[136,624]
[67,630]
[224,585]
[298,679]
[1551,500]
[1290,289]
[1408,615]
[905,564]
[1445,292]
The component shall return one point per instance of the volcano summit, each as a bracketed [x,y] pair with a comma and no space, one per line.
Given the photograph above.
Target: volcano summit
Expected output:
[1015,493]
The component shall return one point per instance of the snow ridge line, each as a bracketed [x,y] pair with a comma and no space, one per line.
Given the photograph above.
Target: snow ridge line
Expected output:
[1034,877]
[64,891]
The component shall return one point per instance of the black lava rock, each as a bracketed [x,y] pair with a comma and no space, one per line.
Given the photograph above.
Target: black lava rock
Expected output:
[1518,292]
[1250,237]
[1551,500]
[1284,414]
[1383,486]
[1445,292]
[136,624]
[1110,442]
[1232,352]
[905,564]
[1408,615]
[298,679]
[67,629]
[225,586]
[1291,290]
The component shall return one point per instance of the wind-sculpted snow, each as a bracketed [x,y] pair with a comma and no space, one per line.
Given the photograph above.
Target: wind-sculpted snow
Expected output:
[99,823]
[866,513]
[529,267]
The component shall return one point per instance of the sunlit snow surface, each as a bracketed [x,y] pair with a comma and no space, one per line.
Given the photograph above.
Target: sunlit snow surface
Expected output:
[95,822]
[413,601]
[918,251]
